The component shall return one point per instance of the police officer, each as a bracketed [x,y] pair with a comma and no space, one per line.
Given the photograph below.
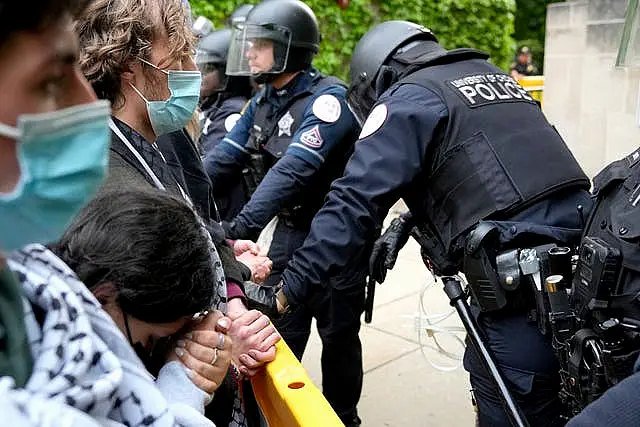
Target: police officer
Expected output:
[523,65]
[294,137]
[222,99]
[443,130]
[615,221]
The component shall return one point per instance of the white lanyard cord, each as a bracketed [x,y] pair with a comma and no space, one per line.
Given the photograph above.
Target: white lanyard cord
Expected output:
[144,164]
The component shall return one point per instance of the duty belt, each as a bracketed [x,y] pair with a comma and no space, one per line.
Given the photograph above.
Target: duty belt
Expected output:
[516,278]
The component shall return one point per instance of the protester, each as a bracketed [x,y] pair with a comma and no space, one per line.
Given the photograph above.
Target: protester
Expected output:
[62,358]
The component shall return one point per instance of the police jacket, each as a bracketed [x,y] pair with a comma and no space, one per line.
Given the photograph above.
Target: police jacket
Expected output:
[219,115]
[296,141]
[460,141]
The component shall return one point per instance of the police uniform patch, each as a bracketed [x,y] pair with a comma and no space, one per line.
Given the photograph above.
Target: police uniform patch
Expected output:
[231,121]
[374,121]
[485,89]
[327,108]
[284,124]
[312,137]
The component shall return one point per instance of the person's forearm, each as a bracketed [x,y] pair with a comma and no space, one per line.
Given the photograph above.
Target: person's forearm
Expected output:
[236,307]
[234,291]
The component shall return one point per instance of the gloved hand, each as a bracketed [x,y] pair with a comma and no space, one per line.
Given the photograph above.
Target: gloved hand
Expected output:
[386,248]
[262,298]
[229,229]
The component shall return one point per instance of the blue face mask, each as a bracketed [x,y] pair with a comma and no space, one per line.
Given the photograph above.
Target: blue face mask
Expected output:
[63,159]
[174,113]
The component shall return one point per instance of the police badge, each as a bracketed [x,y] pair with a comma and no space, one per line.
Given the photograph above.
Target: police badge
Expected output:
[284,124]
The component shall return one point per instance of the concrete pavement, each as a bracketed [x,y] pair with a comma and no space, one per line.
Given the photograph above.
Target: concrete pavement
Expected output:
[401,388]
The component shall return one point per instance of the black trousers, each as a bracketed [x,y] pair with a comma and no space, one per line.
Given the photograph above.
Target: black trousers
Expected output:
[337,313]
[529,367]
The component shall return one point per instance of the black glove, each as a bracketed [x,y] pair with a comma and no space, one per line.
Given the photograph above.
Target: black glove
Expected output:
[386,248]
[262,298]
[229,229]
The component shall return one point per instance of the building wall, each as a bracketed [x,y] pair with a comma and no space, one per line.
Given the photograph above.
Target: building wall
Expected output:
[593,104]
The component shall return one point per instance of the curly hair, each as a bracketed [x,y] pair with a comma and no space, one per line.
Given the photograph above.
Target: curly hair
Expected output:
[113,32]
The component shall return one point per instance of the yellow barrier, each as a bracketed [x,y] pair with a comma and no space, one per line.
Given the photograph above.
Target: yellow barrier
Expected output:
[288,398]
[534,85]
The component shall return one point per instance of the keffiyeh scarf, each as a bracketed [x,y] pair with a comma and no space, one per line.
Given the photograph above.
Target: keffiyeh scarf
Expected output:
[81,358]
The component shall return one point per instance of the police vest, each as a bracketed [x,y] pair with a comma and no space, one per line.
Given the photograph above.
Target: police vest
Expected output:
[497,155]
[616,220]
[268,143]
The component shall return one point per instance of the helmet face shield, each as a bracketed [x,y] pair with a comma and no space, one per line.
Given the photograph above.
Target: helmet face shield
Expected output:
[204,57]
[258,49]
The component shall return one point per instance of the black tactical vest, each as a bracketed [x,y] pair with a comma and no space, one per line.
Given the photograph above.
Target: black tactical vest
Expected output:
[616,220]
[267,144]
[497,155]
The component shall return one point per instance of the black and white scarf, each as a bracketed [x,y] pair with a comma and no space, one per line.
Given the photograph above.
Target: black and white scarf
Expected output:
[81,359]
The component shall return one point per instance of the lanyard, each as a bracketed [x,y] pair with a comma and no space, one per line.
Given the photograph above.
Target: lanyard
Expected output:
[143,163]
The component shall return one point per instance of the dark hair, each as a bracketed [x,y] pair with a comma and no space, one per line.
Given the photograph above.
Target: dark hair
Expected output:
[34,15]
[150,246]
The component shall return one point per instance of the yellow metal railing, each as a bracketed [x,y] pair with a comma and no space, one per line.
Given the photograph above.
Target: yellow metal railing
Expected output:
[288,398]
[534,85]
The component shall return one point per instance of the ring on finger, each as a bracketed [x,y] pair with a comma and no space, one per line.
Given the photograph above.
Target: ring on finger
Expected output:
[220,341]
[215,356]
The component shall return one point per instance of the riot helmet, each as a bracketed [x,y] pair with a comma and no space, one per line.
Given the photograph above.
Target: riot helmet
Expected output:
[212,49]
[278,36]
[211,57]
[239,15]
[370,55]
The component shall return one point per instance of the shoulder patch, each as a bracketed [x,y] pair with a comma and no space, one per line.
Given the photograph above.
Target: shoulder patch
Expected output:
[231,121]
[375,121]
[327,108]
[312,137]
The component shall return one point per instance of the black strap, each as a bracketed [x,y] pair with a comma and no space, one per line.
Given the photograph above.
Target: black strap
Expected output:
[508,269]
[481,249]
[616,172]
[579,341]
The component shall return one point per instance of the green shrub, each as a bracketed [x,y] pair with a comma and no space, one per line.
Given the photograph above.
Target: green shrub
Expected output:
[482,24]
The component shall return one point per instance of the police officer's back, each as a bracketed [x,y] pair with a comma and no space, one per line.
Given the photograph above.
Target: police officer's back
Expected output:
[294,138]
[444,131]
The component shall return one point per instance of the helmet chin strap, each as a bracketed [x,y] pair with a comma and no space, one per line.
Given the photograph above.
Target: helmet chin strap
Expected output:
[387,76]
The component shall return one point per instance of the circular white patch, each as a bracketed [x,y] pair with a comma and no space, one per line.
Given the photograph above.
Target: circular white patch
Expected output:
[327,108]
[231,121]
[374,121]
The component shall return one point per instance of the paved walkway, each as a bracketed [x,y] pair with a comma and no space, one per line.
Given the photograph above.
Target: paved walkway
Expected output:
[401,388]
